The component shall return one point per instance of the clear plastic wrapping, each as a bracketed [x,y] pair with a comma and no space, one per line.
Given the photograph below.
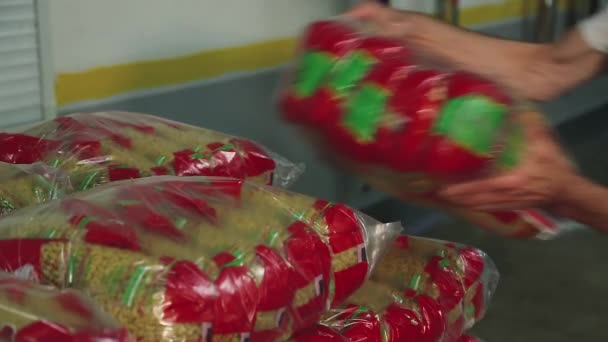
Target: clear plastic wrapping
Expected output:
[422,291]
[198,258]
[96,148]
[403,127]
[35,313]
[25,185]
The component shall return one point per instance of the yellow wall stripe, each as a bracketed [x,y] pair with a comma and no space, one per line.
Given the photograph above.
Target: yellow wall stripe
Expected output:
[108,81]
[104,82]
[508,9]
[494,12]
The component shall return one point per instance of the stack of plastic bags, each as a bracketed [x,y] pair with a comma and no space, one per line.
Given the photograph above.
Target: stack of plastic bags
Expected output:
[81,151]
[407,128]
[192,259]
[422,290]
[125,227]
[217,259]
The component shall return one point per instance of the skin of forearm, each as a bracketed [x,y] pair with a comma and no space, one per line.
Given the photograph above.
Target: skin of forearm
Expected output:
[533,71]
[585,202]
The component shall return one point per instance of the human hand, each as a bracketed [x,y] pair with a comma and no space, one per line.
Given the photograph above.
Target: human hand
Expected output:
[388,21]
[538,182]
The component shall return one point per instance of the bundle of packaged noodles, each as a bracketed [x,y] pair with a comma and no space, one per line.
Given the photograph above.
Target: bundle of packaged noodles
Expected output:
[422,290]
[405,128]
[96,148]
[35,313]
[197,258]
[25,185]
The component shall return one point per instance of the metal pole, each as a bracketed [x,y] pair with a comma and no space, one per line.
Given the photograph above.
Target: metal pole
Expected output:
[455,11]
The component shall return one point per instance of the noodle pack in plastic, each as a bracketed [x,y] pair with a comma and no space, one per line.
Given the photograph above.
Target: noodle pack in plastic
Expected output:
[96,148]
[25,185]
[198,258]
[405,128]
[35,313]
[421,291]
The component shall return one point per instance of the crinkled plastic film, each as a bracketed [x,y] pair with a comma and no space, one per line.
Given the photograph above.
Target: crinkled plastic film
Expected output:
[96,148]
[197,258]
[31,312]
[25,185]
[407,128]
[422,290]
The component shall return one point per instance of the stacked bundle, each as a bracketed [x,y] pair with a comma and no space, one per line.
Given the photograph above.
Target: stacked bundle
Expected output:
[31,312]
[423,291]
[102,147]
[195,258]
[405,129]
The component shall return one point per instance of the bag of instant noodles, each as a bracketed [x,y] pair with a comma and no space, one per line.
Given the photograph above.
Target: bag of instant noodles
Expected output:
[96,148]
[198,258]
[403,127]
[422,290]
[31,312]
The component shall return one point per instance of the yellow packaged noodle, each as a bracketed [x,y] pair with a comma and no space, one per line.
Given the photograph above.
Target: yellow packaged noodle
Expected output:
[422,290]
[96,148]
[199,258]
[31,312]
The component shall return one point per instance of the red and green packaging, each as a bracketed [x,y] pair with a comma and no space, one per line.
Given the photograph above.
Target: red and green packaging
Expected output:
[323,45]
[90,149]
[196,258]
[422,291]
[31,312]
[409,129]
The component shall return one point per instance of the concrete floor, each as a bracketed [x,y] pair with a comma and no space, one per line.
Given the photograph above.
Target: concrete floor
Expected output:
[552,291]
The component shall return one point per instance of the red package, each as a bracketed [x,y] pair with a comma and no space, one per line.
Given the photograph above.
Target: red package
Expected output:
[95,148]
[31,312]
[407,128]
[422,291]
[195,258]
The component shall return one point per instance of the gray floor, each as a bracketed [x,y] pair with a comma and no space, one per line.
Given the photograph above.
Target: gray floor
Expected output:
[550,290]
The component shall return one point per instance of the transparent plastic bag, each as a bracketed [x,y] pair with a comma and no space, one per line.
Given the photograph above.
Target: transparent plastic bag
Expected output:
[196,258]
[403,127]
[25,185]
[422,290]
[31,312]
[96,148]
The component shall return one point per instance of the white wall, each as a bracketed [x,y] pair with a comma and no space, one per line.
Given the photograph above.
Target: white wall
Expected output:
[91,33]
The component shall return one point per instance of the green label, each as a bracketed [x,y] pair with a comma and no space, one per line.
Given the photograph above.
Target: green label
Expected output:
[365,110]
[472,122]
[415,282]
[135,280]
[180,222]
[272,238]
[313,68]
[160,160]
[226,147]
[350,71]
[196,155]
[88,180]
[514,145]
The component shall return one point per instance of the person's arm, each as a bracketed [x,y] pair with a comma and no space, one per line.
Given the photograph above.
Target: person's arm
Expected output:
[535,71]
[585,202]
